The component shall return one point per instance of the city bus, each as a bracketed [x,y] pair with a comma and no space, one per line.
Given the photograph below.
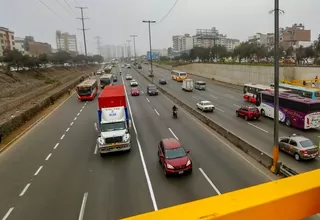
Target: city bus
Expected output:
[87,90]
[294,110]
[250,91]
[178,75]
[311,93]
[106,80]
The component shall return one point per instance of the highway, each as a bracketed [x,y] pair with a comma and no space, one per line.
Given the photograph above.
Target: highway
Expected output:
[227,100]
[54,171]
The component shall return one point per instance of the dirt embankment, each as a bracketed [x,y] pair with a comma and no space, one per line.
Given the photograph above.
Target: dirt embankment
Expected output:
[21,90]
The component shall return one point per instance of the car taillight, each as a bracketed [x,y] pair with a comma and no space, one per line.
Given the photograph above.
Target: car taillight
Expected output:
[303,151]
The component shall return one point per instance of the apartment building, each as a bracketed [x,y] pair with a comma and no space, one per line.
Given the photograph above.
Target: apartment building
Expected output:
[6,40]
[182,43]
[295,36]
[230,44]
[66,42]
[19,44]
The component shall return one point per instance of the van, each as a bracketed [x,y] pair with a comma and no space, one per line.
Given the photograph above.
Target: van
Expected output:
[200,85]
[187,85]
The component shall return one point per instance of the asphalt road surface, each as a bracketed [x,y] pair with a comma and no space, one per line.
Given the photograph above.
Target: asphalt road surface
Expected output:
[54,171]
[227,100]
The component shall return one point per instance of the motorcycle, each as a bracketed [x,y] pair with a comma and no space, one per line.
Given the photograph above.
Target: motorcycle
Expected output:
[175,114]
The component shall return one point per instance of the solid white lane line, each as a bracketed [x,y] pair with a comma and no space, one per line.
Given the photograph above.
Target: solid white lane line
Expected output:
[75,118]
[67,129]
[173,134]
[25,189]
[83,206]
[214,97]
[48,157]
[71,123]
[8,213]
[95,126]
[156,112]
[147,99]
[261,129]
[238,106]
[55,146]
[210,182]
[62,136]
[195,97]
[38,171]
[78,114]
[81,110]
[153,198]
[219,109]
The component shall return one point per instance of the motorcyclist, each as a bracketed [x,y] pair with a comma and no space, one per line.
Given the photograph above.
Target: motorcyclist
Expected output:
[174,108]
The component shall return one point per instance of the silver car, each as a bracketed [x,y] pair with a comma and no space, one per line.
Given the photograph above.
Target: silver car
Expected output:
[298,146]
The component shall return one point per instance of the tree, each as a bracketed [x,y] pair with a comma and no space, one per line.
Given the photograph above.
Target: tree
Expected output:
[98,58]
[43,58]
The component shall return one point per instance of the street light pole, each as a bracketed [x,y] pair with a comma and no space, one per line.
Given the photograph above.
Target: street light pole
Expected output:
[134,47]
[151,67]
[129,50]
[276,87]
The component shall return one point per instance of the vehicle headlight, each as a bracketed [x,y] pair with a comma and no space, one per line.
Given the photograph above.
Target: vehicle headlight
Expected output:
[169,166]
[101,142]
[126,137]
[188,163]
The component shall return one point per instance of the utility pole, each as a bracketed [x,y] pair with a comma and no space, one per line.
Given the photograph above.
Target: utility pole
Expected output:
[151,67]
[129,50]
[134,47]
[98,44]
[83,29]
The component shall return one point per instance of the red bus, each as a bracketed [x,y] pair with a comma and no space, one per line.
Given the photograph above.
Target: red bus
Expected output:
[87,90]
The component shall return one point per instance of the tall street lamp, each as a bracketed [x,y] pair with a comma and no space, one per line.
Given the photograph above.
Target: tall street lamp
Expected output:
[151,67]
[134,47]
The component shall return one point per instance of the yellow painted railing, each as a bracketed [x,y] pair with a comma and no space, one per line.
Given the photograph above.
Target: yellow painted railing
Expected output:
[291,198]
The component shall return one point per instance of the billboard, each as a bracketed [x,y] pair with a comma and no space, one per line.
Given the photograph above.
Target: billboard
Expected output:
[154,56]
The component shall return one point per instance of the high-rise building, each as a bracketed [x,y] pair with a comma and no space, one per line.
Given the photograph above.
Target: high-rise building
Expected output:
[208,38]
[294,36]
[66,42]
[6,40]
[182,43]
[19,44]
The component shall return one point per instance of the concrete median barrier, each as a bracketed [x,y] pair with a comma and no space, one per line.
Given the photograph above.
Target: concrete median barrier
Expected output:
[260,156]
[10,125]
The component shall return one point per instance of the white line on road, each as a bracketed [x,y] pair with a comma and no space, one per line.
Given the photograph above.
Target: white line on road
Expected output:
[173,134]
[75,118]
[82,107]
[210,182]
[78,114]
[142,92]
[83,206]
[25,189]
[67,129]
[156,112]
[8,213]
[238,106]
[195,97]
[219,109]
[48,157]
[214,97]
[95,126]
[55,146]
[71,123]
[62,136]
[38,171]
[261,129]
[96,150]
[229,95]
[81,110]
[147,99]
[153,198]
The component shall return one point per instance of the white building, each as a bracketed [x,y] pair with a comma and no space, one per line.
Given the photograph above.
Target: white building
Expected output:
[6,40]
[66,42]
[181,43]
[230,44]
[19,44]
[162,52]
[259,38]
[114,51]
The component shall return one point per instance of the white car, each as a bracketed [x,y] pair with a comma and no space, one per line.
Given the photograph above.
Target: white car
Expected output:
[128,77]
[122,66]
[205,106]
[133,83]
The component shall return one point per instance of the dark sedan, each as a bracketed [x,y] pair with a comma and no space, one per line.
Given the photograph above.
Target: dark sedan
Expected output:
[162,81]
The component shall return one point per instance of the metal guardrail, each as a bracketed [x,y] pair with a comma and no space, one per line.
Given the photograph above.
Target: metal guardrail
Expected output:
[286,171]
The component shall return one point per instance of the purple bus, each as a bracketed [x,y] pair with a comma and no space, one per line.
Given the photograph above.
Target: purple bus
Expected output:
[294,110]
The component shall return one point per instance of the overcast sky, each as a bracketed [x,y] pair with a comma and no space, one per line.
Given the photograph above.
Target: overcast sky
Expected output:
[115,20]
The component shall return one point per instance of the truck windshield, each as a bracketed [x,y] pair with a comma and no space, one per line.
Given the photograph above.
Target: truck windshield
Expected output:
[116,126]
[105,81]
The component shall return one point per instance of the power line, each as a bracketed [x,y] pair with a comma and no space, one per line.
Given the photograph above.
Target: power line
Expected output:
[83,29]
[64,7]
[55,12]
[69,6]
[98,44]
[168,11]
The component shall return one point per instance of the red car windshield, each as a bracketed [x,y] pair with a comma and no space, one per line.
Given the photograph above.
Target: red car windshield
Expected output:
[175,153]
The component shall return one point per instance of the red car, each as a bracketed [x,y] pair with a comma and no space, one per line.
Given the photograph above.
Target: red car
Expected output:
[248,113]
[173,157]
[135,91]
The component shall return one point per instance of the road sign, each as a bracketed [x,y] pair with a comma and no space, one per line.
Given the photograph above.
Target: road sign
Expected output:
[154,56]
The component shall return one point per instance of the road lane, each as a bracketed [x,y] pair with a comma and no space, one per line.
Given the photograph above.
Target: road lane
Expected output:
[222,166]
[258,133]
